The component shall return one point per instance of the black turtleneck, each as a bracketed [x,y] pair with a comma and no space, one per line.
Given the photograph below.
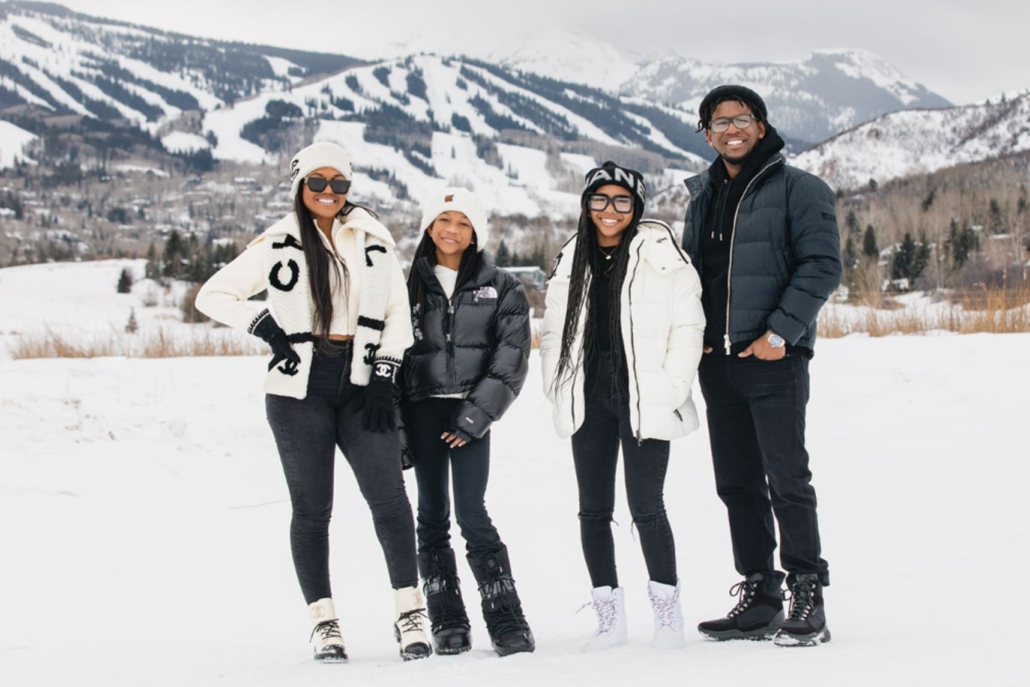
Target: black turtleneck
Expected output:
[715,238]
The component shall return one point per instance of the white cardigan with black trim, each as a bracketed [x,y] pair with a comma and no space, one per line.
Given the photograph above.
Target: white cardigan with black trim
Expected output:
[275,261]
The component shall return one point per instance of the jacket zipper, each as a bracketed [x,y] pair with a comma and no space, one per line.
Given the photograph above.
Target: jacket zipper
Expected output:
[450,343]
[733,236]
[632,341]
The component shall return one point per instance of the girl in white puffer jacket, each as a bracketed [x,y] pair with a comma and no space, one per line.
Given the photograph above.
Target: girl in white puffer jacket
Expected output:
[620,345]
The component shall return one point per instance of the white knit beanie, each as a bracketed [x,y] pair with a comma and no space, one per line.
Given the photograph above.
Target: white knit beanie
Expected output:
[461,200]
[316,156]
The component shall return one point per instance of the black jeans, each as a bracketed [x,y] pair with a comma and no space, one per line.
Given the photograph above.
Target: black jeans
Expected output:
[470,470]
[756,422]
[595,450]
[307,433]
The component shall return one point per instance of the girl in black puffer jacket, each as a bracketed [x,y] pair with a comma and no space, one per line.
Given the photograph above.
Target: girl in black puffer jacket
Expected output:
[468,363]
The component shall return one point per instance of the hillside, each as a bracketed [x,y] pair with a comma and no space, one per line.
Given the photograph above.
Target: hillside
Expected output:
[920,141]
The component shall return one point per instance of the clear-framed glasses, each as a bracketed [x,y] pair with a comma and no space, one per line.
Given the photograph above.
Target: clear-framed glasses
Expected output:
[318,184]
[721,124]
[598,202]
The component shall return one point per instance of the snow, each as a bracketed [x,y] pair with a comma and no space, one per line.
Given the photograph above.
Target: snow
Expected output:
[13,140]
[146,524]
[182,142]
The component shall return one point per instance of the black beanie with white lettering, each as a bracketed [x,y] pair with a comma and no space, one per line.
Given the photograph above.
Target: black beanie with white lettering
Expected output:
[611,173]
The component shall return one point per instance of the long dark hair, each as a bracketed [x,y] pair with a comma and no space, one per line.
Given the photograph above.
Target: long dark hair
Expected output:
[427,249]
[587,254]
[323,269]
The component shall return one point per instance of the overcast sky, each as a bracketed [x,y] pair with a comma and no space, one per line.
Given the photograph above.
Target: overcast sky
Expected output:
[965,51]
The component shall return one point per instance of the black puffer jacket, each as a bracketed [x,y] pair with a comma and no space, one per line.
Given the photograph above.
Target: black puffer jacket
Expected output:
[784,252]
[478,343]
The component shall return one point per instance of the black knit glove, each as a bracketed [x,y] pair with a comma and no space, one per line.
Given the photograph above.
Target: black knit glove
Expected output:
[268,329]
[380,398]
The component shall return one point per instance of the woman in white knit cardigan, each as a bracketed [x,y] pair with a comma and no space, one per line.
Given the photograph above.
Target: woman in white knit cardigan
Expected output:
[338,326]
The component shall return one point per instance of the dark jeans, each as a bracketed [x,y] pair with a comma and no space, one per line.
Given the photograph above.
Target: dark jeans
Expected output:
[595,450]
[469,466]
[307,433]
[756,421]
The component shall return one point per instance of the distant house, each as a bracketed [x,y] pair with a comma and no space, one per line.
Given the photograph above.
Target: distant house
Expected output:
[529,275]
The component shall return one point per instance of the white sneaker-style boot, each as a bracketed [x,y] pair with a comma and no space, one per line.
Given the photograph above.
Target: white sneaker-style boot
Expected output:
[611,619]
[668,620]
[326,636]
[410,629]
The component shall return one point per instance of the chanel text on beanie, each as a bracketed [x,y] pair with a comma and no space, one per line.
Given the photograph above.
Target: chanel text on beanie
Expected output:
[316,156]
[460,200]
[611,173]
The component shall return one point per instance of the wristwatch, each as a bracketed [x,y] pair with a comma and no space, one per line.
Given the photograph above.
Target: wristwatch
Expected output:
[774,339]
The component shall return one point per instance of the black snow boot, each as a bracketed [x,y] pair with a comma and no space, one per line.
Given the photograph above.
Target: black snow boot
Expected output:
[447,617]
[757,615]
[806,623]
[502,610]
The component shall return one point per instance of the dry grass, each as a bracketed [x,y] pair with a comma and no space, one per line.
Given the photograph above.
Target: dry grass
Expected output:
[995,311]
[157,343]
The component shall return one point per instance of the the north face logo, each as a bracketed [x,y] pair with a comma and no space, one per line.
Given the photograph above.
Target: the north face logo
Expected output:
[486,292]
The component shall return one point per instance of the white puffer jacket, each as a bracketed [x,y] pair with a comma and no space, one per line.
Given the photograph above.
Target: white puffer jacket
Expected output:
[663,327]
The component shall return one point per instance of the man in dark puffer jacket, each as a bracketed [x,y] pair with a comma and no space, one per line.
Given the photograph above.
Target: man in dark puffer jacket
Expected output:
[763,236]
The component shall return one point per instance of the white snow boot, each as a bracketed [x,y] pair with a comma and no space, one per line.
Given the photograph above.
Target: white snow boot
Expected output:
[668,619]
[611,631]
[326,636]
[410,629]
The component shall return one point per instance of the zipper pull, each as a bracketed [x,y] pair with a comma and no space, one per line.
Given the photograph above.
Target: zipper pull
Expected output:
[726,339]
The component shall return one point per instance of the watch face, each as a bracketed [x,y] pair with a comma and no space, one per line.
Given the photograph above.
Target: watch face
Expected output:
[776,341]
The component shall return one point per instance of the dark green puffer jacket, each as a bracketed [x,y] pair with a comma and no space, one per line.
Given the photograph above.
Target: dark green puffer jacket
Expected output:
[784,252]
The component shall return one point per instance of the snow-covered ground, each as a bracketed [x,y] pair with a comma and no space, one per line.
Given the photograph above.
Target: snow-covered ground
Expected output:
[144,525]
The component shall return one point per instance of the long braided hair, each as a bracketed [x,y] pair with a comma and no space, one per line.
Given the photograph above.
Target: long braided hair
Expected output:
[416,285]
[325,271]
[587,255]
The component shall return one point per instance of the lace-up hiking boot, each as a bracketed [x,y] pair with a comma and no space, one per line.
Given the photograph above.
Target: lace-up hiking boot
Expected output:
[409,630]
[806,623]
[668,619]
[447,617]
[502,609]
[325,636]
[757,615]
[610,606]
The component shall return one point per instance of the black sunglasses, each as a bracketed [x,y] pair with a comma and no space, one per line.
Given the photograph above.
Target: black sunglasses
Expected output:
[318,184]
[598,202]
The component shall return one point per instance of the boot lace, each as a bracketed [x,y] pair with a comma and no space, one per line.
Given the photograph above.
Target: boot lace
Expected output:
[411,621]
[505,614]
[607,613]
[665,609]
[327,631]
[450,613]
[746,590]
[802,599]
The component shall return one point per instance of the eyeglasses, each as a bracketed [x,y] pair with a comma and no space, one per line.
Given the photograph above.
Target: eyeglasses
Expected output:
[318,184]
[598,202]
[723,123]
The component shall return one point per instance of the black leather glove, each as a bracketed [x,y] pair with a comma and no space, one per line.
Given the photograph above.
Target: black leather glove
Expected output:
[268,329]
[380,399]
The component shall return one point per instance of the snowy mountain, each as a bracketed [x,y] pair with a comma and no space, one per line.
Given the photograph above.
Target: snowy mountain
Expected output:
[920,141]
[809,99]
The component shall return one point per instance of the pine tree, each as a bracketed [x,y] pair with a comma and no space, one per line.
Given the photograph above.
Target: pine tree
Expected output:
[125,281]
[153,269]
[849,257]
[131,327]
[502,258]
[174,252]
[869,247]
